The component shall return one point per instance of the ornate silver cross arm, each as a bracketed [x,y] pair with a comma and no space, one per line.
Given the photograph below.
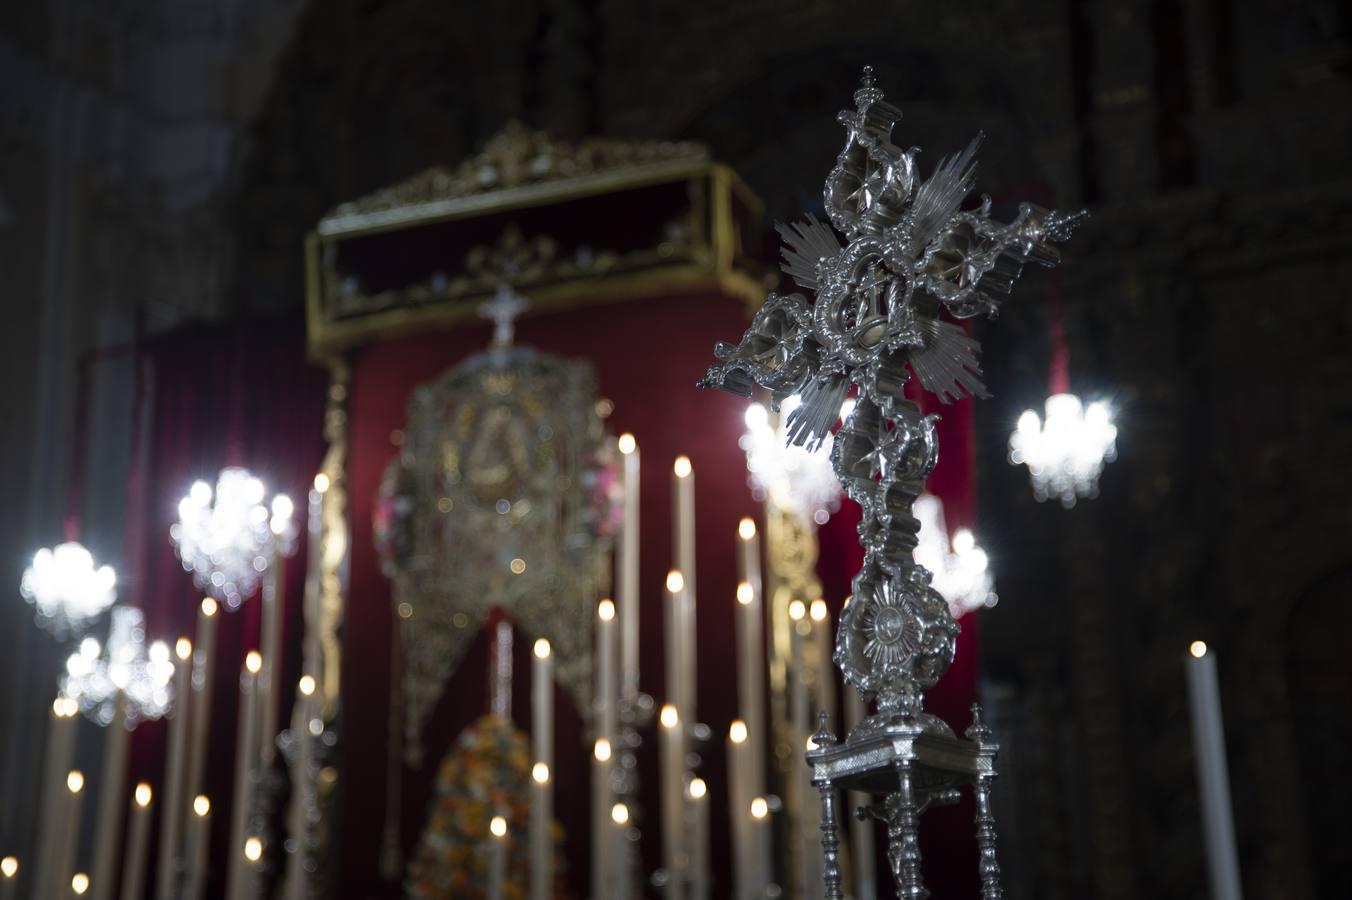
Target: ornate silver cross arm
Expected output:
[897,254]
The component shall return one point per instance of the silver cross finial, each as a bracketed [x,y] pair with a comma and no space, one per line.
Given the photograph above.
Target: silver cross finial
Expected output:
[503,309]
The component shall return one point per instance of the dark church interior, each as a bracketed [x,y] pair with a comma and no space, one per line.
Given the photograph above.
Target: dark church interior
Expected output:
[264,234]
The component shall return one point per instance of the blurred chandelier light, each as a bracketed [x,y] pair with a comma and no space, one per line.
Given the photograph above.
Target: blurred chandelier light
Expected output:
[66,589]
[1065,453]
[960,568]
[227,539]
[791,477]
[96,673]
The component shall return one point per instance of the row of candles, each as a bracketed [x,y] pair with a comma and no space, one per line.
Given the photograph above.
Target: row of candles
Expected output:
[184,823]
[185,814]
[684,797]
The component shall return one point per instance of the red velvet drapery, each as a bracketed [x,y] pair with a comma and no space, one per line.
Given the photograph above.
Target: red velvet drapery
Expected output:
[648,355]
[243,394]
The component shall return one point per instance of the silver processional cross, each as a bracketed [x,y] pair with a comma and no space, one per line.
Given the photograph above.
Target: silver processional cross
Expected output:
[503,310]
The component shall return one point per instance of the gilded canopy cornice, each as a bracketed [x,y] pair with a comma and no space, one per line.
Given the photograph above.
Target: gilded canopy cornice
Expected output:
[516,161]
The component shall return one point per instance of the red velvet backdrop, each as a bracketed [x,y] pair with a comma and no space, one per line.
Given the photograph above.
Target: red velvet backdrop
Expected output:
[228,395]
[648,355]
[244,395]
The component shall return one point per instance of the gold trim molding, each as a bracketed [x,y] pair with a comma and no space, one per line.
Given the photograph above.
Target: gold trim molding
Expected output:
[494,219]
[517,166]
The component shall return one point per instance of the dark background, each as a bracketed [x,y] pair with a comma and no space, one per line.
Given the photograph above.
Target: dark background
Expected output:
[160,162]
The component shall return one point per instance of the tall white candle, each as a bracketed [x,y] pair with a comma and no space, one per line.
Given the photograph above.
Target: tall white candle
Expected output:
[607,691]
[626,585]
[497,857]
[810,834]
[112,774]
[603,844]
[760,840]
[674,639]
[825,683]
[671,760]
[799,631]
[199,837]
[138,845]
[683,533]
[58,754]
[698,793]
[751,659]
[739,809]
[253,853]
[603,833]
[542,788]
[70,844]
[237,874]
[169,866]
[861,830]
[1208,734]
[203,670]
[619,876]
[270,641]
[9,877]
[297,879]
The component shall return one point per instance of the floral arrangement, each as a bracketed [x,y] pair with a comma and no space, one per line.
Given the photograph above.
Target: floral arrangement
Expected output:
[487,773]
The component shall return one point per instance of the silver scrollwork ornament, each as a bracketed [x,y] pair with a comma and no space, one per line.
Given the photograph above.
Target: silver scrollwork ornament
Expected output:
[910,261]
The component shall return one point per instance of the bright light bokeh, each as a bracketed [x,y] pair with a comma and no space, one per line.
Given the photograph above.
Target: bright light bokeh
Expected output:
[96,673]
[1065,452]
[960,568]
[227,537]
[66,589]
[794,479]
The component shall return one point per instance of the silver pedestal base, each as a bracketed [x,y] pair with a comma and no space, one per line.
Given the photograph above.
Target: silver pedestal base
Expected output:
[908,764]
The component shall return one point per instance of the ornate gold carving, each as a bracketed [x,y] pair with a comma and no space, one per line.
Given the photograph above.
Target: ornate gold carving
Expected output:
[334,537]
[314,780]
[692,243]
[496,500]
[516,157]
[524,262]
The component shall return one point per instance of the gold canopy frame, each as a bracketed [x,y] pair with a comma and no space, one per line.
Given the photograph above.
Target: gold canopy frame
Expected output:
[505,216]
[493,220]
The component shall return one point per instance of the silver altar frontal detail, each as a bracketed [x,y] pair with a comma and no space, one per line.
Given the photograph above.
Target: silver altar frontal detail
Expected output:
[910,254]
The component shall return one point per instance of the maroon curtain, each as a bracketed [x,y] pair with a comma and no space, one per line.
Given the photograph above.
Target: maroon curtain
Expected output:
[244,395]
[648,356]
[237,394]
